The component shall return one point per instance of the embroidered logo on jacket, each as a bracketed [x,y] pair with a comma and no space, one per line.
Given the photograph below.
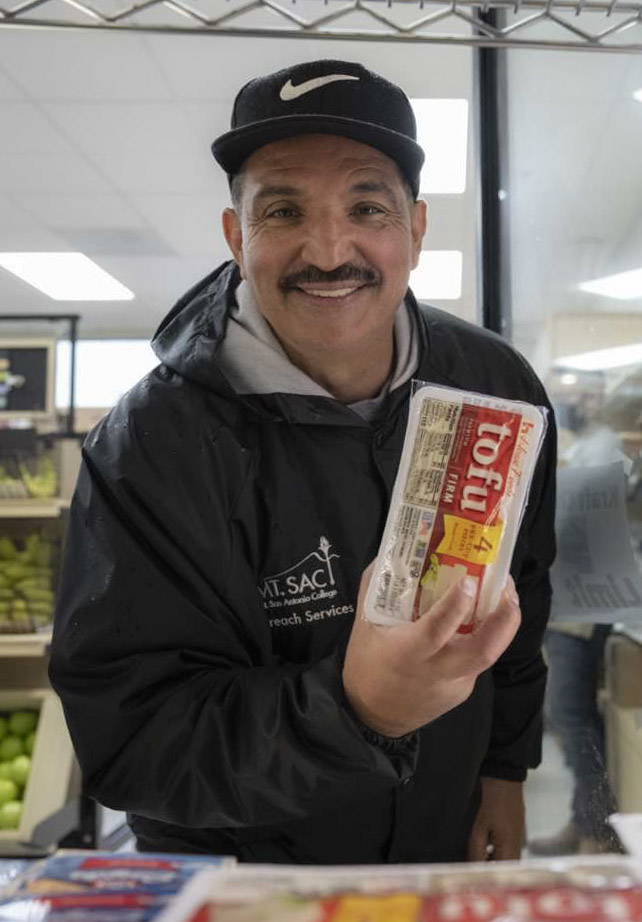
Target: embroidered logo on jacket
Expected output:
[309,580]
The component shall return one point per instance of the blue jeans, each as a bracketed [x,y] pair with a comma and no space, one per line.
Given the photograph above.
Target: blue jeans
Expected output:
[572,713]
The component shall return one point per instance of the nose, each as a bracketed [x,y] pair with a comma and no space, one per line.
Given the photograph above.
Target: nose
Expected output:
[328,242]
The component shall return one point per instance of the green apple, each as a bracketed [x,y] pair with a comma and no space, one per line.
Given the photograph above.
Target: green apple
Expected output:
[22,722]
[29,742]
[8,790]
[10,814]
[10,747]
[20,769]
[5,770]
[4,727]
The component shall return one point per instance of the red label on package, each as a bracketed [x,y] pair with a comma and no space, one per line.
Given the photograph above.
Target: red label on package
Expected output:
[468,526]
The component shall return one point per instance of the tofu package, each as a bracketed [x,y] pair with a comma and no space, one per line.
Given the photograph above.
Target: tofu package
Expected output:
[458,501]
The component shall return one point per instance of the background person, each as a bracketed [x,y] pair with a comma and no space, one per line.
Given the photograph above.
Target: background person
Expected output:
[575,656]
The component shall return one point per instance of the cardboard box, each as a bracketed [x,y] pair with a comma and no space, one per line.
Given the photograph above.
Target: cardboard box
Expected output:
[624,672]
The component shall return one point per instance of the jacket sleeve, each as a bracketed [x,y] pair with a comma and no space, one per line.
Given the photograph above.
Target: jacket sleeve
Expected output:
[161,653]
[519,676]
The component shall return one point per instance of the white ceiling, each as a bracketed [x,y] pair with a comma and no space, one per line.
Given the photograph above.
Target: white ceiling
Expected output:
[104,148]
[575,142]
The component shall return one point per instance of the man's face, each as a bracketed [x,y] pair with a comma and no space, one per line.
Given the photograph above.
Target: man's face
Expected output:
[326,238]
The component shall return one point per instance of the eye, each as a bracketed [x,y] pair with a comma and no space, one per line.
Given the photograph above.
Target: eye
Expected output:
[284,211]
[368,208]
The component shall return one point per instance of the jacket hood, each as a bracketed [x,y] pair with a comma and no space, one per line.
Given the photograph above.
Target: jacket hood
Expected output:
[190,334]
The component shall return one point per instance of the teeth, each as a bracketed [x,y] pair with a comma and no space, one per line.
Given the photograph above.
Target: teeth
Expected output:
[336,293]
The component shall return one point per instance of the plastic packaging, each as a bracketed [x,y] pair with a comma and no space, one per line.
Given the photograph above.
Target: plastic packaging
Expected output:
[457,503]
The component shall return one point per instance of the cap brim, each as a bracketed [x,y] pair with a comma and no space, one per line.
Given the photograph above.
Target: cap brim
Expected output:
[232,149]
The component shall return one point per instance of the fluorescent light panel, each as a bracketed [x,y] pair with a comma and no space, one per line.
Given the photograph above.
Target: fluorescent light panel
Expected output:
[65,276]
[638,95]
[438,275]
[623,286]
[442,131]
[603,359]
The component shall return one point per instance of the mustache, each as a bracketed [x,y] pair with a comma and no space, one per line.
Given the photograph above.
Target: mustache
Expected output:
[348,272]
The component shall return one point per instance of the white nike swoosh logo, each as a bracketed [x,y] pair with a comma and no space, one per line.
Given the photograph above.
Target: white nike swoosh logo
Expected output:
[289,92]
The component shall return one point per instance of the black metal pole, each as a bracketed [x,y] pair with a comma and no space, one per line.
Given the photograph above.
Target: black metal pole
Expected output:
[73,336]
[492,159]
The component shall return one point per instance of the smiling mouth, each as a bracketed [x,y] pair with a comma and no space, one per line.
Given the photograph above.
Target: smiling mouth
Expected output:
[331,293]
[336,293]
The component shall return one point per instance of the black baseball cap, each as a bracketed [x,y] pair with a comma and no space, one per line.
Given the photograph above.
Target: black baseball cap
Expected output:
[323,97]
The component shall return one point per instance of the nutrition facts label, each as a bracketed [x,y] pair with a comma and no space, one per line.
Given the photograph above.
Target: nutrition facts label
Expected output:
[433,445]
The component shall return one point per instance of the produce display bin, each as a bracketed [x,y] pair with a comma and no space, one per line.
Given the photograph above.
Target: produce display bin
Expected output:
[52,767]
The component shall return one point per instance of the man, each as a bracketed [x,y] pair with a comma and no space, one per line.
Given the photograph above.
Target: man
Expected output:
[218,678]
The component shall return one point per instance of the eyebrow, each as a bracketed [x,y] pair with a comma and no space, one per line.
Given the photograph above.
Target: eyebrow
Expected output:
[272,190]
[371,185]
[363,187]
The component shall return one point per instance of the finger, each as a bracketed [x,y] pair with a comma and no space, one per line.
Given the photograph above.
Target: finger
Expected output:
[440,622]
[499,628]
[510,591]
[366,576]
[507,848]
[473,653]
[478,843]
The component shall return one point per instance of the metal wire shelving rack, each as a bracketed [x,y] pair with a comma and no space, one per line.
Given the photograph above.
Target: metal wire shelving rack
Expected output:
[590,25]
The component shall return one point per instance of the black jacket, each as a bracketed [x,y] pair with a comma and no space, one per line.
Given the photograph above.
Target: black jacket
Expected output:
[207,593]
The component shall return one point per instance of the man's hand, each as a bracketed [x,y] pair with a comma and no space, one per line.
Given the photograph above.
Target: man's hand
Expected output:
[399,678]
[498,831]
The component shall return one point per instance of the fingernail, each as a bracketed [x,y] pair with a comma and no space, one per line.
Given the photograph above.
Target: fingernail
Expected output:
[468,586]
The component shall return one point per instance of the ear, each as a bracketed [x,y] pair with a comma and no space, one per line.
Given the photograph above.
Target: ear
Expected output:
[234,235]
[418,220]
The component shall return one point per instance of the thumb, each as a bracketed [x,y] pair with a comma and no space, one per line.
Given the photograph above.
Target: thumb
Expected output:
[366,576]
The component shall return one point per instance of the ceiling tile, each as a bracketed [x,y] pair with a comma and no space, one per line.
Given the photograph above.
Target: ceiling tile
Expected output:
[207,120]
[145,127]
[49,173]
[26,130]
[71,211]
[8,89]
[140,173]
[80,65]
[14,216]
[193,68]
[191,224]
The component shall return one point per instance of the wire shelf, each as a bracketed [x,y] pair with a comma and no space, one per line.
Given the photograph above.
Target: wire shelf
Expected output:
[589,25]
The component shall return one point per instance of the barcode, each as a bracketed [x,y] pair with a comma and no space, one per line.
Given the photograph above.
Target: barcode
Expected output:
[399,585]
[407,522]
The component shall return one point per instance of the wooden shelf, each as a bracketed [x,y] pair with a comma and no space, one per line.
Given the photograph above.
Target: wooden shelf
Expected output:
[32,508]
[25,644]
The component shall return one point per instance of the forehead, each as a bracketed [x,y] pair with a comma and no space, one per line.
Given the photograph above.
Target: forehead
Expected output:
[317,156]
